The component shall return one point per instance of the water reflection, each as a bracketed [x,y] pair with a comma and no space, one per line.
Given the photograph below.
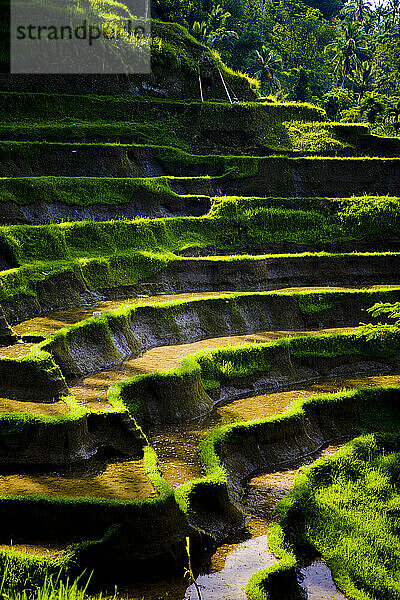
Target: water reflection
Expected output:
[316,580]
[176,445]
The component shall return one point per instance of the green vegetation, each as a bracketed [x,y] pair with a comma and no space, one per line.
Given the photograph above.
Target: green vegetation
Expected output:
[127,252]
[233,222]
[80,191]
[217,365]
[346,508]
[305,50]
[214,367]
[195,125]
[174,50]
[210,126]
[39,110]
[52,587]
[261,168]
[211,132]
[25,577]
[316,303]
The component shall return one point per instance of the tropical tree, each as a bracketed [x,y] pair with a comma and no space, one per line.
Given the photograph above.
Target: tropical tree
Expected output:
[270,67]
[372,106]
[200,31]
[363,77]
[217,18]
[348,50]
[356,10]
[392,115]
[214,29]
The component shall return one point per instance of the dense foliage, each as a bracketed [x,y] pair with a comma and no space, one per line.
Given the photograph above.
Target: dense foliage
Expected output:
[343,56]
[347,507]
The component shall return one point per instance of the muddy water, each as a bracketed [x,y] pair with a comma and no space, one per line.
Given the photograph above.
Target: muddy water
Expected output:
[18,350]
[233,564]
[56,409]
[230,568]
[225,576]
[317,580]
[55,320]
[227,573]
[125,480]
[176,445]
[91,391]
[263,493]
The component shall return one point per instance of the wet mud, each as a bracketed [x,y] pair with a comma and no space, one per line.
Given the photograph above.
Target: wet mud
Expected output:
[124,480]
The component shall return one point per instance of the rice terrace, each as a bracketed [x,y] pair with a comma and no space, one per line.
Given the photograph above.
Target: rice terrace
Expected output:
[200,304]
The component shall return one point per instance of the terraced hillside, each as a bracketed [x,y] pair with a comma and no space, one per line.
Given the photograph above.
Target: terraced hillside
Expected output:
[175,275]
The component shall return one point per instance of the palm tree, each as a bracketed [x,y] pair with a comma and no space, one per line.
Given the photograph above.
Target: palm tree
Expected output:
[217,18]
[200,31]
[208,32]
[357,10]
[271,65]
[363,76]
[348,50]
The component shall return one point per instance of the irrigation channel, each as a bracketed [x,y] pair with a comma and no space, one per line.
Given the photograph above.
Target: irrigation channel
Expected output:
[226,573]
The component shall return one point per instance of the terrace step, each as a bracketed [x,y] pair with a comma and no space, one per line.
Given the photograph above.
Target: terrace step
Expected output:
[43,549]
[33,407]
[124,480]
[207,141]
[213,274]
[91,391]
[271,272]
[260,128]
[104,499]
[243,176]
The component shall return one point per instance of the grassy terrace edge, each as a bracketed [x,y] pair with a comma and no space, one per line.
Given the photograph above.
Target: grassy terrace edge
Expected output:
[239,165]
[49,362]
[127,269]
[120,108]
[311,529]
[273,220]
[250,359]
[34,570]
[26,571]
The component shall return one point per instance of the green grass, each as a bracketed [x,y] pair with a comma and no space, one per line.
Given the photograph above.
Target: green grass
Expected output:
[25,577]
[232,223]
[347,508]
[274,175]
[80,191]
[36,108]
[323,137]
[52,588]
[122,252]
[245,360]
[214,367]
[173,49]
[184,132]
[194,124]
[123,268]
[221,364]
